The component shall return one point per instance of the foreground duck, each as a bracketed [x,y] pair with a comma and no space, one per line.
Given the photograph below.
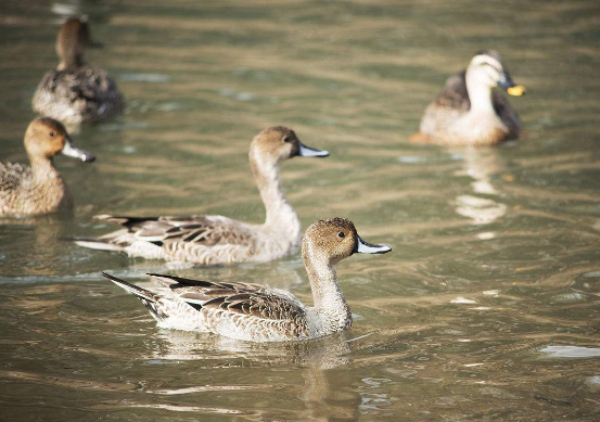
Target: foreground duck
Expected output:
[258,313]
[39,189]
[217,240]
[75,92]
[469,111]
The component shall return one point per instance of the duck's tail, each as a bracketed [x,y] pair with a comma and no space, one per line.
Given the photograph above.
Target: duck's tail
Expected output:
[148,298]
[121,240]
[116,241]
[132,288]
[419,138]
[97,243]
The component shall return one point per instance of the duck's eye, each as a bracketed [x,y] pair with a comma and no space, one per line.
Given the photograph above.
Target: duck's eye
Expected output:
[341,235]
[287,139]
[52,134]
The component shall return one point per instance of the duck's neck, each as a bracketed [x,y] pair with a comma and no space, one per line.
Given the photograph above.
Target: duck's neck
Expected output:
[70,58]
[329,301]
[281,217]
[50,189]
[480,95]
[70,65]
[43,169]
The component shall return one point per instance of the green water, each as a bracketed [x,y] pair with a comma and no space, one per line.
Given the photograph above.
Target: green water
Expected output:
[488,307]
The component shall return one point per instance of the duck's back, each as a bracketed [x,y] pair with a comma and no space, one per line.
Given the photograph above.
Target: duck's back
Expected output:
[244,311]
[200,239]
[75,96]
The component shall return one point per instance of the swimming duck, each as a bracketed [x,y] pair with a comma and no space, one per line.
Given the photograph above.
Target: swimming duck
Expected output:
[254,312]
[469,111]
[75,92]
[213,239]
[38,189]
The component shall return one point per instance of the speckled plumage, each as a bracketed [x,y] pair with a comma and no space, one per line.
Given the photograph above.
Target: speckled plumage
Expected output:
[217,240]
[253,312]
[23,193]
[202,240]
[75,93]
[452,118]
[83,95]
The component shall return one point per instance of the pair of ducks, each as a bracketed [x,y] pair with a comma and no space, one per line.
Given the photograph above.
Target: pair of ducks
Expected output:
[244,311]
[71,94]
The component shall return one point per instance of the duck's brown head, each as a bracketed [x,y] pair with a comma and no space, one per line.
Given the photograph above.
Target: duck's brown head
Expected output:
[46,137]
[73,39]
[278,143]
[336,239]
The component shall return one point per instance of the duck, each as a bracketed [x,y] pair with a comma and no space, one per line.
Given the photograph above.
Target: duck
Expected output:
[207,240]
[259,313]
[39,189]
[469,111]
[75,93]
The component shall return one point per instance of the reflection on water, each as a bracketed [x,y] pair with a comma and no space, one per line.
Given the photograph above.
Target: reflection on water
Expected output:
[480,165]
[176,345]
[488,308]
[571,352]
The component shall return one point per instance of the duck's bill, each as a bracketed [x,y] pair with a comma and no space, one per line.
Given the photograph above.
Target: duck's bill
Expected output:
[516,90]
[70,151]
[510,87]
[366,247]
[305,151]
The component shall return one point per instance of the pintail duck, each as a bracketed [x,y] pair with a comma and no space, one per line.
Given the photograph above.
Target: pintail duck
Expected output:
[75,92]
[253,312]
[217,240]
[38,189]
[469,111]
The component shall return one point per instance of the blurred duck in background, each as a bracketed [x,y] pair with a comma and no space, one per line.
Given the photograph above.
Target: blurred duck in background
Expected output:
[39,189]
[214,239]
[76,93]
[469,111]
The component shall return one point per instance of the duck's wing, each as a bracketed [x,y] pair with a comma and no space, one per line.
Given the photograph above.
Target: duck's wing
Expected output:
[12,176]
[454,95]
[249,307]
[192,231]
[198,229]
[507,114]
[252,300]
[449,105]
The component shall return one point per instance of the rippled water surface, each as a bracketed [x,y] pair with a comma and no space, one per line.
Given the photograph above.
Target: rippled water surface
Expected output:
[488,307]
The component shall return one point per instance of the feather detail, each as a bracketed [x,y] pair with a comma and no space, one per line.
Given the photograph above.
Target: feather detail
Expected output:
[22,193]
[239,310]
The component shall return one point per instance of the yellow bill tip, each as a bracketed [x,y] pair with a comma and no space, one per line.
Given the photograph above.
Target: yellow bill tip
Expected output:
[517,90]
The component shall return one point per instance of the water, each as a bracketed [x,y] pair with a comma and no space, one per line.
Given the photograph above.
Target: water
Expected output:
[487,309]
